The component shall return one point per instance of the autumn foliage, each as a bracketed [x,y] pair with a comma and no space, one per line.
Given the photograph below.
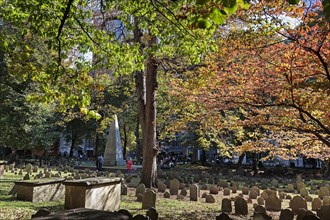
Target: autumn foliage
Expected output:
[273,76]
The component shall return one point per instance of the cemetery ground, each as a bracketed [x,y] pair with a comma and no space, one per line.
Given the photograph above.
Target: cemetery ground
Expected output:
[175,207]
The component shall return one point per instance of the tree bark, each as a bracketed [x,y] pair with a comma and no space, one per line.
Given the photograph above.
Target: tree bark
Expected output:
[125,142]
[240,160]
[149,164]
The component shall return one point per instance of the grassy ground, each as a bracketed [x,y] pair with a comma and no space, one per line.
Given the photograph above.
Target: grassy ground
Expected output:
[168,209]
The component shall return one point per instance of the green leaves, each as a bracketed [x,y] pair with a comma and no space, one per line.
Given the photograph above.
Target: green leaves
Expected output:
[203,22]
[293,2]
[217,16]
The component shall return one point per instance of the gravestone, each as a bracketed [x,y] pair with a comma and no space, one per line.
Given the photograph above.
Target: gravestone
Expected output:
[324,212]
[261,216]
[140,189]
[167,195]
[326,200]
[259,209]
[264,195]
[226,205]
[301,213]
[260,201]
[149,199]
[125,212]
[273,203]
[290,187]
[139,217]
[323,191]
[310,217]
[245,190]
[174,187]
[316,204]
[303,192]
[286,214]
[161,187]
[183,192]
[210,199]
[253,194]
[241,207]
[152,214]
[113,153]
[139,198]
[214,189]
[223,216]
[297,203]
[226,192]
[194,192]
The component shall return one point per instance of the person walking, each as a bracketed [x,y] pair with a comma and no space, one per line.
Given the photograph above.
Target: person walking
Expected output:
[99,162]
[129,165]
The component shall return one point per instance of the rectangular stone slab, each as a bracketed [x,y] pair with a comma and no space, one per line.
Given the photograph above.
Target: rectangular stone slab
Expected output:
[93,193]
[40,190]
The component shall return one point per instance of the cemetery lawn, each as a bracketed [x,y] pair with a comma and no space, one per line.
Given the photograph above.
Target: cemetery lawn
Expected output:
[10,208]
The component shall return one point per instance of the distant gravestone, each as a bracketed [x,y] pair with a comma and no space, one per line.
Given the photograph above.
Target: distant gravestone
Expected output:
[324,212]
[161,187]
[297,203]
[253,194]
[301,213]
[274,183]
[323,191]
[245,190]
[26,177]
[260,201]
[140,189]
[226,192]
[234,189]
[256,189]
[149,199]
[286,214]
[139,217]
[226,205]
[326,200]
[152,214]
[210,199]
[290,187]
[259,209]
[194,192]
[214,189]
[241,207]
[303,192]
[316,204]
[281,195]
[264,195]
[174,187]
[167,195]
[183,192]
[273,203]
[139,198]
[223,216]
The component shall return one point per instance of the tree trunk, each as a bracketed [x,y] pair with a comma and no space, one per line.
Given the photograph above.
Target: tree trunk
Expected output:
[194,155]
[149,164]
[203,157]
[97,142]
[72,146]
[125,142]
[240,160]
[138,141]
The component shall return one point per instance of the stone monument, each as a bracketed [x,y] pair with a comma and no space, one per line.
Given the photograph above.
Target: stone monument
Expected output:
[113,154]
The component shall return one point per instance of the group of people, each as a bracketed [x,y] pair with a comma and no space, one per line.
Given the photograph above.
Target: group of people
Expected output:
[100,162]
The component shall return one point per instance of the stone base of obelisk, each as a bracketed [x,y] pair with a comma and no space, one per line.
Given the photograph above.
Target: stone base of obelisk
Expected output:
[114,163]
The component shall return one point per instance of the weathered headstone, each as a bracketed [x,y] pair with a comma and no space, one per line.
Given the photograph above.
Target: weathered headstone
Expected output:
[326,200]
[273,203]
[194,192]
[253,194]
[226,192]
[210,199]
[241,207]
[310,217]
[183,192]
[149,199]
[140,189]
[245,190]
[316,204]
[290,187]
[174,187]
[323,191]
[152,214]
[286,214]
[167,195]
[261,201]
[259,209]
[297,203]
[161,187]
[324,212]
[214,189]
[123,189]
[303,192]
[301,213]
[223,216]
[226,205]
[113,154]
